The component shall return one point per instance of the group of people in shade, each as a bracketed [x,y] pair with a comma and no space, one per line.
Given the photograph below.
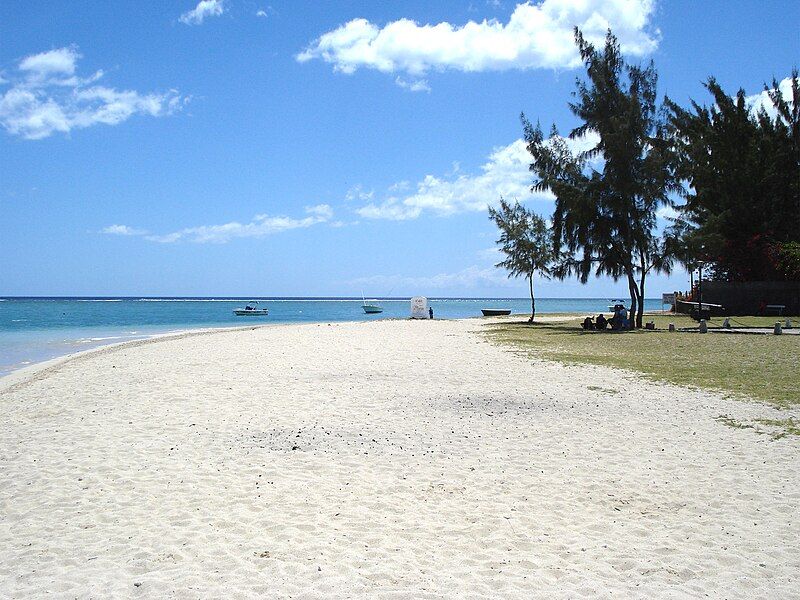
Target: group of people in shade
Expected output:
[617,322]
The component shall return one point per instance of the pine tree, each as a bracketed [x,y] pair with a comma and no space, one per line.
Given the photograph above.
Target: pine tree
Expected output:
[526,242]
[742,173]
[605,218]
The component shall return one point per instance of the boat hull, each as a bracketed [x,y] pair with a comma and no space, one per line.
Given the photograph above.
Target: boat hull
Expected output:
[495,312]
[262,312]
[372,309]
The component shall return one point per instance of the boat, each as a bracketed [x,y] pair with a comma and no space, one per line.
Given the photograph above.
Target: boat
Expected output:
[370,309]
[495,312]
[251,310]
[698,311]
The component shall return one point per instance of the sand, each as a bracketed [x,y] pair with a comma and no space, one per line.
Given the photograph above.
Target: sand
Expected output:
[391,459]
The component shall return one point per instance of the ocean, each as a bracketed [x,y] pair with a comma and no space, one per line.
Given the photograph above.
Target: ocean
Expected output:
[37,329]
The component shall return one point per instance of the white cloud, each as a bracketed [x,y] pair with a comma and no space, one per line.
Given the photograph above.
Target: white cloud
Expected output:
[47,97]
[470,277]
[414,85]
[204,8]
[536,36]
[266,12]
[322,211]
[762,99]
[492,255]
[61,61]
[260,226]
[358,193]
[505,173]
[122,230]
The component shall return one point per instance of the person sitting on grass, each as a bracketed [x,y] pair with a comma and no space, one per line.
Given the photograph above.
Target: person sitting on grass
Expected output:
[620,318]
[587,323]
[600,322]
[623,317]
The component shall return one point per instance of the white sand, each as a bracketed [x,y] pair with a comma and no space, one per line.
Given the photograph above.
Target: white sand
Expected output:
[390,459]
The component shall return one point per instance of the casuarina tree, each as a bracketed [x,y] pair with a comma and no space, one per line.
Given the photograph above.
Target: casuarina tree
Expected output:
[607,196]
[526,242]
[741,167]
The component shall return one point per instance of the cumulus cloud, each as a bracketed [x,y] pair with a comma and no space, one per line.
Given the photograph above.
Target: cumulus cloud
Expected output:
[61,61]
[505,173]
[259,226]
[122,230]
[204,9]
[762,99]
[535,36]
[46,96]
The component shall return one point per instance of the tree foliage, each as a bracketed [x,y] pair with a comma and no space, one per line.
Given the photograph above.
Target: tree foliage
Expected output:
[526,242]
[605,218]
[742,174]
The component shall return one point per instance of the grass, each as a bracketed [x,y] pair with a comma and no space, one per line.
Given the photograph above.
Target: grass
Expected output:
[760,367]
[779,428]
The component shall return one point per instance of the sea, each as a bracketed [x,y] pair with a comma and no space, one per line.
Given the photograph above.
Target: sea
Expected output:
[38,329]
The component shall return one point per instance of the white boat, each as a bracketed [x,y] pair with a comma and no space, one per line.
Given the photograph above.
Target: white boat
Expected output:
[614,303]
[370,309]
[251,310]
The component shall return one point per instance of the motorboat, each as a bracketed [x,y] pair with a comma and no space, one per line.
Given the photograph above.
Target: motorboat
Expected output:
[370,309]
[251,310]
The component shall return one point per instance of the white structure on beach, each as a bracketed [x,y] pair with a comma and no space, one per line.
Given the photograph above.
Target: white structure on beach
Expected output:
[419,307]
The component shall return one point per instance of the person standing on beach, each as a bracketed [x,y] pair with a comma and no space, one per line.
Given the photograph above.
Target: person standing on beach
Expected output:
[430,312]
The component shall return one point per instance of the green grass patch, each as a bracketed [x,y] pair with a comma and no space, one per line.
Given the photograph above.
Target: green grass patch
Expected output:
[760,367]
[778,428]
[790,426]
[597,388]
[731,422]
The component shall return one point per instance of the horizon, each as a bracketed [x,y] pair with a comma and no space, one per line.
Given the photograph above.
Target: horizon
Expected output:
[222,298]
[232,145]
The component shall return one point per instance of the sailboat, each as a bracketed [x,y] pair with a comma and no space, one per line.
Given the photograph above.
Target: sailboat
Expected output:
[370,309]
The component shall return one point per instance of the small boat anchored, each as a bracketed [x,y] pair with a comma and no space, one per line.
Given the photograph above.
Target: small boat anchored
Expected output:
[251,310]
[370,309]
[495,312]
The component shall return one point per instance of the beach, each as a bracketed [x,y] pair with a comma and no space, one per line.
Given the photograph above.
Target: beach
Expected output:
[386,459]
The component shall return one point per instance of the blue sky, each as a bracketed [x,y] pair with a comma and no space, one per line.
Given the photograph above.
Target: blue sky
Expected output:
[286,148]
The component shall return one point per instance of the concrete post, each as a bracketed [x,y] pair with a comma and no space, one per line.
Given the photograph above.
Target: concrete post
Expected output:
[703,326]
[778,330]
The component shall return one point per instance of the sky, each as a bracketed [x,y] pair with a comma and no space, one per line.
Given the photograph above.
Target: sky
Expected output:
[268,148]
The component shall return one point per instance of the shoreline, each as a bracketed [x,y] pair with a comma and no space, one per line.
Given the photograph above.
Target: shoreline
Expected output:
[193,330]
[39,329]
[9,379]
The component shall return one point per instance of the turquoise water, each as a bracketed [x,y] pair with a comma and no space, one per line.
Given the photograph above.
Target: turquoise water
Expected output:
[37,329]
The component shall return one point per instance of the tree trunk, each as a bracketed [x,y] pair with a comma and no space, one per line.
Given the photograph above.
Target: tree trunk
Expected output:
[533,300]
[640,313]
[633,290]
